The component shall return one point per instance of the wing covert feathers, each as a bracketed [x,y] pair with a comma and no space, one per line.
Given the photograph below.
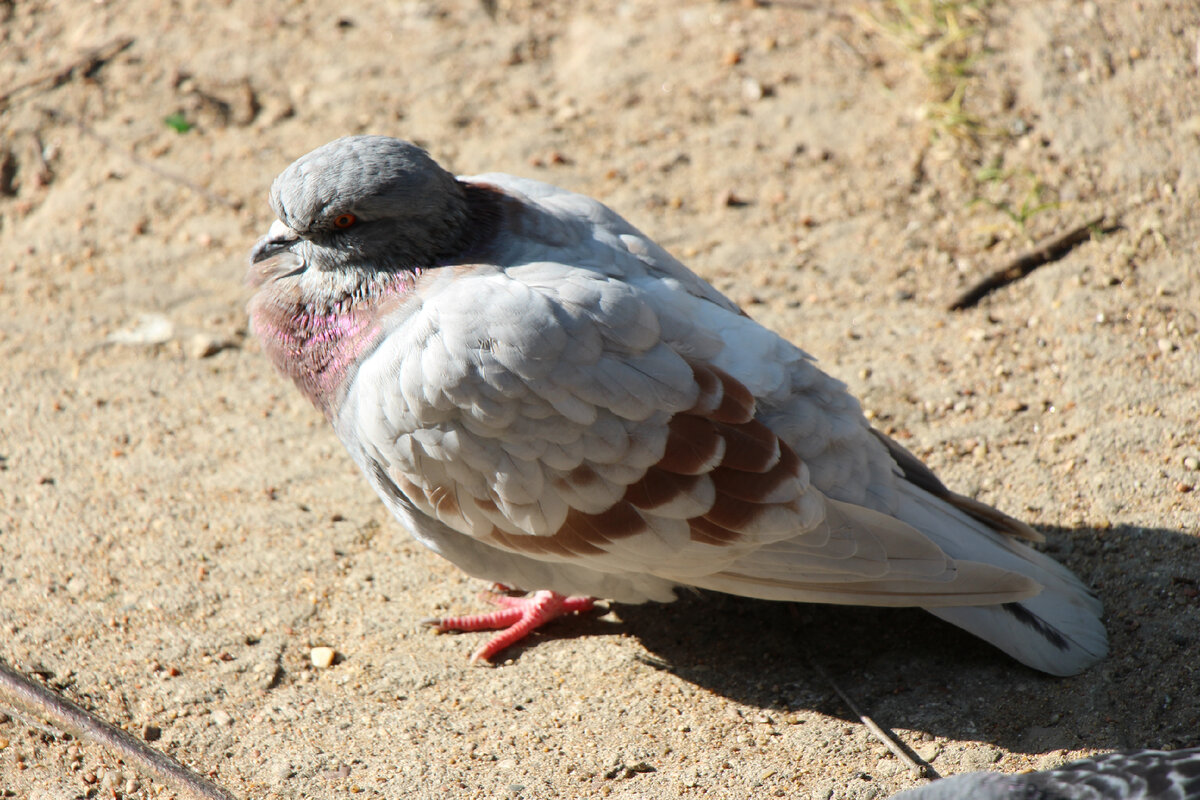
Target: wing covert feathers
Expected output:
[722,475]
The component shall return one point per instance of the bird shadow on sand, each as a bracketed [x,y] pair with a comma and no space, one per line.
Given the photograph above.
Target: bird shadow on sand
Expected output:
[910,671]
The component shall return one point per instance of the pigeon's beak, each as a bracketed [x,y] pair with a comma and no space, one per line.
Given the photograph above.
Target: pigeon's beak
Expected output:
[279,238]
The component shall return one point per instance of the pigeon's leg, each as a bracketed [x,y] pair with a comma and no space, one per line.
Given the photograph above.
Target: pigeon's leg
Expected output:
[516,619]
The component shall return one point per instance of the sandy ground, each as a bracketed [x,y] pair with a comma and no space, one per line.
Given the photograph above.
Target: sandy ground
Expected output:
[178,528]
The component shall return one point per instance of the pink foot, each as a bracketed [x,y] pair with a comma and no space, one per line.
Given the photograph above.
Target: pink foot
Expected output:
[517,617]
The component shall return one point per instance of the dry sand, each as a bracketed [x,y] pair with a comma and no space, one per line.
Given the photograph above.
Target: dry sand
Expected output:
[178,528]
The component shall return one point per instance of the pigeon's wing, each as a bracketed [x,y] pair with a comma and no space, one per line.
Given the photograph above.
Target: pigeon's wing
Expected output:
[1132,775]
[553,412]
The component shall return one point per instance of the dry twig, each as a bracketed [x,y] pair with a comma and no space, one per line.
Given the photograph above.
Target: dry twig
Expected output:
[919,767]
[84,65]
[37,705]
[1020,267]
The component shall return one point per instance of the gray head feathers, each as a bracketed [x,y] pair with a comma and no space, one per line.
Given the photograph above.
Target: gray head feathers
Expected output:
[367,201]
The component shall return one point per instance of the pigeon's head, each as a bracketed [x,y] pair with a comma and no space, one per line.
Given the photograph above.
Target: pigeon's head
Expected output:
[364,203]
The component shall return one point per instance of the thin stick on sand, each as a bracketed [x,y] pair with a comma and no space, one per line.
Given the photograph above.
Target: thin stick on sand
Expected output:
[33,703]
[919,767]
[1019,267]
[84,65]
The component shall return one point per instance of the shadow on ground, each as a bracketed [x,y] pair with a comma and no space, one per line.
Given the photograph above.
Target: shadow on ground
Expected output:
[909,670]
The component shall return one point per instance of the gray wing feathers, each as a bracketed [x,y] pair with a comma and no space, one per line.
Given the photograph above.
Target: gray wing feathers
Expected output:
[889,564]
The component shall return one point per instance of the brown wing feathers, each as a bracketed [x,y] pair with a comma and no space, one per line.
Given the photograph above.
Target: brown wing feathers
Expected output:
[721,470]
[731,478]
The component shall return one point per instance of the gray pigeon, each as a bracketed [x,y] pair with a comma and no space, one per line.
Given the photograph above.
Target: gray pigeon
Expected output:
[1131,775]
[548,399]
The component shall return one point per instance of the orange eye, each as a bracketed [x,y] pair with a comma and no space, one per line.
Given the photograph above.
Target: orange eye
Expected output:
[344,220]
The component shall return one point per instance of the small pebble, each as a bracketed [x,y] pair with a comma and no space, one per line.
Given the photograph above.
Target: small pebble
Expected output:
[203,345]
[150,329]
[929,752]
[221,718]
[151,733]
[321,657]
[269,676]
[727,199]
[1191,462]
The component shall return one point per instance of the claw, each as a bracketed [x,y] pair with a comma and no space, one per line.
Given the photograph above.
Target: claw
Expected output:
[516,619]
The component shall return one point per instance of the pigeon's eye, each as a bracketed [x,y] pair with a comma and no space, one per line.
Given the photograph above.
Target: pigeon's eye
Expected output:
[344,221]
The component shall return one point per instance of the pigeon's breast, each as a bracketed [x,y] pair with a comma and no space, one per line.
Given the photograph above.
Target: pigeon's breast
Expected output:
[319,342]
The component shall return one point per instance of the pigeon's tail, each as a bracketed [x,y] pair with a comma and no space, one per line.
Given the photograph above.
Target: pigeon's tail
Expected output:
[1057,630]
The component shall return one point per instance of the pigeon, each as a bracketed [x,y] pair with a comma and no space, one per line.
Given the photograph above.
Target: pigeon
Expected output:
[1129,775]
[544,396]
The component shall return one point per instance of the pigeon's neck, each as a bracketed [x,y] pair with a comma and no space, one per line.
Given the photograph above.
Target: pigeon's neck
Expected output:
[317,327]
[318,342]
